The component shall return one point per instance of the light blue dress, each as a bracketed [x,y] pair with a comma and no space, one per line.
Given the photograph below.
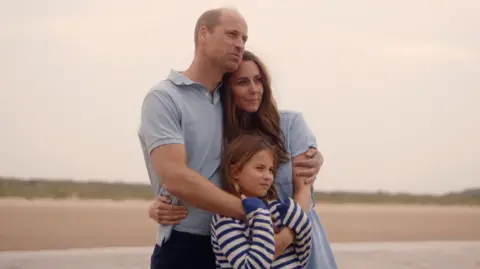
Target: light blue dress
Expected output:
[298,139]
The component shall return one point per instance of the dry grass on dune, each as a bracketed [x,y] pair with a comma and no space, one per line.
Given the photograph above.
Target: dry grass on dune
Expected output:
[39,188]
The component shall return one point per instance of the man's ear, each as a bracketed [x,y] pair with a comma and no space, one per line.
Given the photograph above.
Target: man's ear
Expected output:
[202,34]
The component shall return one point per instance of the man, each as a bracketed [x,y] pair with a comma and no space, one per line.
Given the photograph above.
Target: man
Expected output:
[181,134]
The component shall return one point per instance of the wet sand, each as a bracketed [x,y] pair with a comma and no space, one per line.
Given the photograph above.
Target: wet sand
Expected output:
[50,224]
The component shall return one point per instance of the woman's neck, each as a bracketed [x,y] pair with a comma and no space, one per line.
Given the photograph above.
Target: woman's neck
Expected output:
[245,119]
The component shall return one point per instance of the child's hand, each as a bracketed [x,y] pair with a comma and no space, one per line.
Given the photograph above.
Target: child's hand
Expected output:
[252,204]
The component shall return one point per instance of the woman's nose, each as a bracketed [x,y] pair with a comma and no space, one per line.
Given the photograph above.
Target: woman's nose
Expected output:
[255,88]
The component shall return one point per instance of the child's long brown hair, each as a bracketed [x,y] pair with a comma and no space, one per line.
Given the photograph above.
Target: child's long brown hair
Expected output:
[238,152]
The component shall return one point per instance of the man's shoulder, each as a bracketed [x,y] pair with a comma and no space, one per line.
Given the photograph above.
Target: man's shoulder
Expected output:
[165,92]
[164,88]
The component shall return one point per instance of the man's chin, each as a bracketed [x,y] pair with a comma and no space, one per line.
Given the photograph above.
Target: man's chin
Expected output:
[231,67]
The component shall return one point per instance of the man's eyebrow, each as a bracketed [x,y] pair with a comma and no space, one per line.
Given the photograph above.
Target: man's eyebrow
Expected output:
[237,32]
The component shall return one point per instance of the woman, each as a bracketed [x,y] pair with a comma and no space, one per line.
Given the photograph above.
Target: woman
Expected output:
[248,165]
[249,106]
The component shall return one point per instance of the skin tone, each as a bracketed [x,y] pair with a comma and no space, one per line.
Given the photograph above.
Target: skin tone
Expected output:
[247,89]
[254,180]
[246,86]
[256,176]
[218,52]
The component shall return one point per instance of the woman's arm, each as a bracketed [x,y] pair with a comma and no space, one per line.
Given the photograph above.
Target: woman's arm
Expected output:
[240,251]
[304,167]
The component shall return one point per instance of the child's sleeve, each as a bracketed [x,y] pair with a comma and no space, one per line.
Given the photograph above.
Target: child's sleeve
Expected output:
[297,220]
[243,252]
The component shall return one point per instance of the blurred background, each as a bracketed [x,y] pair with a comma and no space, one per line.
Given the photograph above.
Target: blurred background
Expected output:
[390,89]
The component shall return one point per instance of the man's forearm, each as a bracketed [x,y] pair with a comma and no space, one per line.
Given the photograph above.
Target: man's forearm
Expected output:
[195,190]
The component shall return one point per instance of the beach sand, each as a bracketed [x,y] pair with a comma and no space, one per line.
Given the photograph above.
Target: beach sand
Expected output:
[61,224]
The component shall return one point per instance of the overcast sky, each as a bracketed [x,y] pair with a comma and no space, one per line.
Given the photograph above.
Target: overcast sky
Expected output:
[388,87]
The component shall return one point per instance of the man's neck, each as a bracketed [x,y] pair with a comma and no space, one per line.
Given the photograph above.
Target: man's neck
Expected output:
[205,73]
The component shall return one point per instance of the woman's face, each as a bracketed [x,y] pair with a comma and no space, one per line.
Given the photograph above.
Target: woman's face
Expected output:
[246,86]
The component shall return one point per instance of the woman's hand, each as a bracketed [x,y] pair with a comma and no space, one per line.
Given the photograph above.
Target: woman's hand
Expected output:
[163,212]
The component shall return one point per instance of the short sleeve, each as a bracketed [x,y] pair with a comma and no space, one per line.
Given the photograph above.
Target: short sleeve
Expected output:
[160,121]
[302,138]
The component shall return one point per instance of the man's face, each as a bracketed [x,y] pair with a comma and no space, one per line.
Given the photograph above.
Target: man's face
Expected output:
[224,46]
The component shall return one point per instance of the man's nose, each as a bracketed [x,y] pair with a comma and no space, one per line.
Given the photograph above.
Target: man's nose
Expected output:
[239,44]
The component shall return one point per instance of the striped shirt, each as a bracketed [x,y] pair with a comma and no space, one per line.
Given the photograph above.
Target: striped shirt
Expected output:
[239,245]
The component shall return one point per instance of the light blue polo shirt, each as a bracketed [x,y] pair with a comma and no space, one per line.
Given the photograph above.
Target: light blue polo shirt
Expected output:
[180,111]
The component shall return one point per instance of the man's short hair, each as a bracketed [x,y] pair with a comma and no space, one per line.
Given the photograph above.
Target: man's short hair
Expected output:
[209,19]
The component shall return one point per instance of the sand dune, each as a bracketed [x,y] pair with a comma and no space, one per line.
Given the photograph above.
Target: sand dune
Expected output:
[51,224]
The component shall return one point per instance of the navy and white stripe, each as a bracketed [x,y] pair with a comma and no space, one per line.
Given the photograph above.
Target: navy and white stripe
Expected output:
[290,214]
[239,245]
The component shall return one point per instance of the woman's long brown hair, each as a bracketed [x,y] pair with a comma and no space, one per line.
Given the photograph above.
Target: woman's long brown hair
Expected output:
[266,121]
[237,153]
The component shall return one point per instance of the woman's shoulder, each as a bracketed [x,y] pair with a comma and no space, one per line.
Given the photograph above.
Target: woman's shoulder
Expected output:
[287,117]
[287,113]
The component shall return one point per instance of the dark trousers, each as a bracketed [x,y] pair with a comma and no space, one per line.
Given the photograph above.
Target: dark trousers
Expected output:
[184,251]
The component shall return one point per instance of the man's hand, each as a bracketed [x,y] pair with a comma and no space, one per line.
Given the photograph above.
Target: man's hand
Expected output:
[309,166]
[163,212]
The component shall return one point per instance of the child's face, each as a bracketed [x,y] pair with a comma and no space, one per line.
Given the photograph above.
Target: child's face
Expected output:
[256,177]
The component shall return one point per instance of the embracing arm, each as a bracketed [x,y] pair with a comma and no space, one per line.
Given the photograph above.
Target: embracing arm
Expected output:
[169,161]
[162,134]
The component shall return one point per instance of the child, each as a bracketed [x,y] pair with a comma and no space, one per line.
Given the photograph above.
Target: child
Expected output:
[249,165]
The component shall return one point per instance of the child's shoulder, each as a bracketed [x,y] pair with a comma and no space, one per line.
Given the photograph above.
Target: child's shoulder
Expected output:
[272,204]
[218,219]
